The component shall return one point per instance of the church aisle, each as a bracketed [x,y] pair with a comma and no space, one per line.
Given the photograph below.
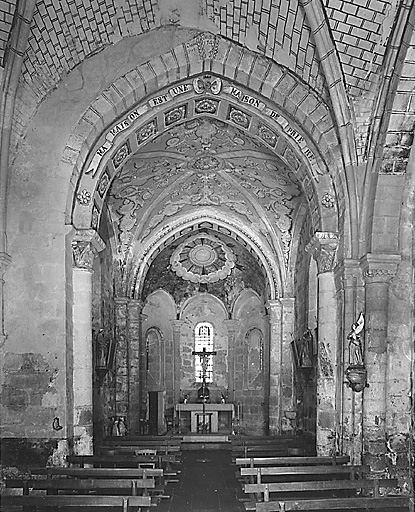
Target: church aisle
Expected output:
[207,483]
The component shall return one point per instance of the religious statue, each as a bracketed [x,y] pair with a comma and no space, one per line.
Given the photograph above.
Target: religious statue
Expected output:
[306,345]
[356,372]
[101,349]
[355,343]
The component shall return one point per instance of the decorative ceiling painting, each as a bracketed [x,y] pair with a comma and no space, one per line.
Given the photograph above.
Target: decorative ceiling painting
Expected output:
[204,163]
[202,259]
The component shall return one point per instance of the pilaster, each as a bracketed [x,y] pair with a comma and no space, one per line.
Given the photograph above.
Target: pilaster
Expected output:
[5,261]
[323,247]
[349,404]
[231,326]
[378,271]
[177,325]
[136,353]
[274,366]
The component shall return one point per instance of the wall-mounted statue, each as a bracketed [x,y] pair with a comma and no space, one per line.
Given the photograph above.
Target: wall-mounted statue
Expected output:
[356,372]
[355,342]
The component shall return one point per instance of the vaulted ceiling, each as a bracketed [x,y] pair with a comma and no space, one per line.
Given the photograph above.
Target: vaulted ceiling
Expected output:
[348,54]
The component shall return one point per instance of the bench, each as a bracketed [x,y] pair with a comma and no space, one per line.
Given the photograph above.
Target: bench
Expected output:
[303,472]
[111,473]
[291,461]
[124,503]
[54,485]
[386,503]
[129,460]
[269,450]
[282,489]
[132,448]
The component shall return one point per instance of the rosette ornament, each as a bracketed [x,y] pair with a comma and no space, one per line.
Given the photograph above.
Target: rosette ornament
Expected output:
[202,259]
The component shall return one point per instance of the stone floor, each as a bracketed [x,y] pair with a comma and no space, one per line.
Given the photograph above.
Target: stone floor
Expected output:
[207,483]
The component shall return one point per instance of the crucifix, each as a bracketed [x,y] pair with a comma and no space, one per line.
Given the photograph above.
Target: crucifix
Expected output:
[204,394]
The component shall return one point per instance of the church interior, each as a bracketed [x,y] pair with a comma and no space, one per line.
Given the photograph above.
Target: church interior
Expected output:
[207,225]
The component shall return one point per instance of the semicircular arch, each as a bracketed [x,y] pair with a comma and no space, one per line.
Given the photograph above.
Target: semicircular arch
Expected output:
[308,133]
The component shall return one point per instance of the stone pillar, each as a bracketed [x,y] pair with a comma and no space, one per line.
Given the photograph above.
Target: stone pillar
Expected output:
[274,369]
[323,248]
[288,406]
[136,352]
[378,271]
[177,325]
[85,246]
[267,374]
[231,325]
[122,391]
[349,404]
[5,261]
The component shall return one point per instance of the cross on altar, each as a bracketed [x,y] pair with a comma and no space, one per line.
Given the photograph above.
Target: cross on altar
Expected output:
[204,355]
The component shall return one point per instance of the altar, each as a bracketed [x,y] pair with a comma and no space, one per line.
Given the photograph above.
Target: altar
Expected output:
[205,414]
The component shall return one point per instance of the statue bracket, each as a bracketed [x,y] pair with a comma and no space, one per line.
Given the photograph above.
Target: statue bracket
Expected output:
[356,377]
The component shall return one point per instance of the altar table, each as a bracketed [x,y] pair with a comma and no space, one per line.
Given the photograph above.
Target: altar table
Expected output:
[211,410]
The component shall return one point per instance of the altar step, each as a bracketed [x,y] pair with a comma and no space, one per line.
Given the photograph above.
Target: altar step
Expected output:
[206,442]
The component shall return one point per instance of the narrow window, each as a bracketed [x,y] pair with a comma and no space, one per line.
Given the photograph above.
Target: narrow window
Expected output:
[204,341]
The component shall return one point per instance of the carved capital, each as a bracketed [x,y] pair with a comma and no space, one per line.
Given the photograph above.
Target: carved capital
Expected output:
[5,261]
[86,244]
[379,268]
[323,248]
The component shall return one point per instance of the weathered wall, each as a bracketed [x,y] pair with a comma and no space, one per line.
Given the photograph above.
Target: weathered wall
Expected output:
[34,363]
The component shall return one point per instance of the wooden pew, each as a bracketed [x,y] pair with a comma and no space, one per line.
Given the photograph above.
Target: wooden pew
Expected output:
[290,473]
[124,503]
[266,446]
[385,503]
[291,461]
[135,487]
[111,473]
[282,491]
[129,460]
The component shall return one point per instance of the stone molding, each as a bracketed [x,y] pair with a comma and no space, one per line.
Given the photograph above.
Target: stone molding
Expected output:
[347,273]
[323,247]
[379,268]
[86,244]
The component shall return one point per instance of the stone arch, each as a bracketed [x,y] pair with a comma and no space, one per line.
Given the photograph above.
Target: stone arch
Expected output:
[307,114]
[158,241]
[191,300]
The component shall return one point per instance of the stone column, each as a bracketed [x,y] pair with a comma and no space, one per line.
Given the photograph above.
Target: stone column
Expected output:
[288,407]
[136,352]
[323,248]
[274,369]
[122,391]
[231,325]
[378,271]
[85,246]
[349,404]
